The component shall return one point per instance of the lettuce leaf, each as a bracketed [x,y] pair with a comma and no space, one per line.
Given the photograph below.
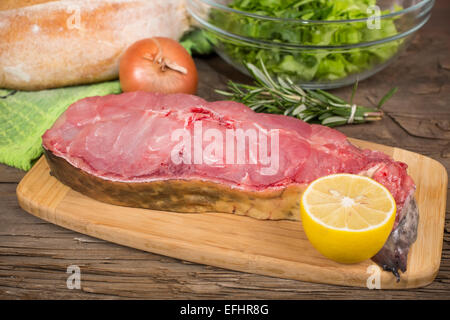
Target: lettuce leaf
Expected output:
[306,65]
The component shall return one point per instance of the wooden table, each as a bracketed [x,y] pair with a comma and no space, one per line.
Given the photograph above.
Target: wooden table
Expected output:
[34,254]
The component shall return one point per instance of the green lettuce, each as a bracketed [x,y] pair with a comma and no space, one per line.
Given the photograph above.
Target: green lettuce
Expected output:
[306,65]
[196,42]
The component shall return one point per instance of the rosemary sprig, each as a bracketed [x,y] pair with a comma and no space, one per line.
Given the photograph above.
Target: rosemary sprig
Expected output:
[283,96]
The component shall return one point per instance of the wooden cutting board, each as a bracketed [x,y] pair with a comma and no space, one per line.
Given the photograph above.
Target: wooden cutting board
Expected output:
[273,248]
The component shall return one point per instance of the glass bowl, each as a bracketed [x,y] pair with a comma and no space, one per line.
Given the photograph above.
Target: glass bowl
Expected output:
[313,53]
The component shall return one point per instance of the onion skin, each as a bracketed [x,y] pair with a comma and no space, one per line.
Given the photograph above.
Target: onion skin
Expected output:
[158,65]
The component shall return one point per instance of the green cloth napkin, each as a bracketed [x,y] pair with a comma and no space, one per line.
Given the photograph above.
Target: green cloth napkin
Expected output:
[26,115]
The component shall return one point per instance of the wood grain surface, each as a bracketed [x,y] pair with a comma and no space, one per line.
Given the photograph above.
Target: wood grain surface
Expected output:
[274,248]
[34,254]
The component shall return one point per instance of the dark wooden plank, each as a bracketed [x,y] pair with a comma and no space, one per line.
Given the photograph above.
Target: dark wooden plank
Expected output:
[10,174]
[34,256]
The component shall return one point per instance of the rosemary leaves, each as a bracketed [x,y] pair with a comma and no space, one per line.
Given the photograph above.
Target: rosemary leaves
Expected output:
[282,96]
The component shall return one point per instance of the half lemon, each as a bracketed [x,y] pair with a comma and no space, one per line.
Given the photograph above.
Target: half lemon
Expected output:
[347,217]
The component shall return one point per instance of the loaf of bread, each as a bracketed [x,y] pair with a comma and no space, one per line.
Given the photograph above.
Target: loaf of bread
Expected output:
[55,43]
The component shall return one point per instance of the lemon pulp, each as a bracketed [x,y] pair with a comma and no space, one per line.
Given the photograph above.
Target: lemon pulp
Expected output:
[347,217]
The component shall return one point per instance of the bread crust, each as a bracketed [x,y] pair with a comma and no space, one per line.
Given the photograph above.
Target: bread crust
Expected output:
[181,195]
[71,42]
[15,4]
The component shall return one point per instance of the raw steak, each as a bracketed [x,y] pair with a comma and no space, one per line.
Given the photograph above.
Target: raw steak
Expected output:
[181,153]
